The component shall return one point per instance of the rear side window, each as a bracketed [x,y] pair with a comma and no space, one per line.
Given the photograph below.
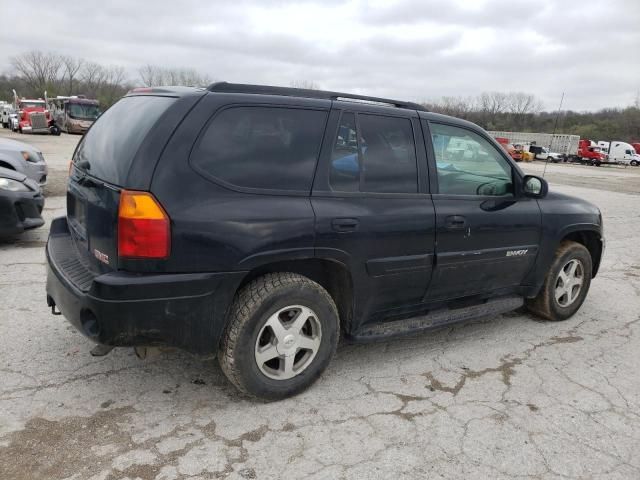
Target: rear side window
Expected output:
[377,156]
[262,147]
[112,142]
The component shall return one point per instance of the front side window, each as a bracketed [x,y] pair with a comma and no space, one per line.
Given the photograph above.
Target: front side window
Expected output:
[467,164]
[380,157]
[262,147]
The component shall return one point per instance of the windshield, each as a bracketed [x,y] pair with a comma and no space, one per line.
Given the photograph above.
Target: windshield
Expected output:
[82,110]
[32,104]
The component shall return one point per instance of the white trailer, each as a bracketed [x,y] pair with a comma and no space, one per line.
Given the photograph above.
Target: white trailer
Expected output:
[566,145]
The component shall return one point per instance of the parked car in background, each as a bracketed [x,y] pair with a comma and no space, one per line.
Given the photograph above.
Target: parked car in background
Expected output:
[21,203]
[23,158]
[74,114]
[225,220]
[511,150]
[542,153]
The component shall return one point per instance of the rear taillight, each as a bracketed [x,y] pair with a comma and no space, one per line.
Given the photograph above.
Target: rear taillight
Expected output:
[143,226]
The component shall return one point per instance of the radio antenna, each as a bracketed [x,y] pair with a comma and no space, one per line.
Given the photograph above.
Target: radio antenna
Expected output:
[555,126]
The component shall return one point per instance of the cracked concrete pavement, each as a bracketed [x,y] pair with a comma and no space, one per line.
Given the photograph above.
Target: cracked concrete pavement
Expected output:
[508,398]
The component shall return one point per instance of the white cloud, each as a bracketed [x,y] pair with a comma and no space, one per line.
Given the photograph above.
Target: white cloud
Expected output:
[410,49]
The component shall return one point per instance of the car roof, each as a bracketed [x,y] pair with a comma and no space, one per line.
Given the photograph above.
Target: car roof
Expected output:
[225,87]
[302,93]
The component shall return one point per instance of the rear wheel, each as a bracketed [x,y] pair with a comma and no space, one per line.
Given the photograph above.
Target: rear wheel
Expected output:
[282,333]
[566,284]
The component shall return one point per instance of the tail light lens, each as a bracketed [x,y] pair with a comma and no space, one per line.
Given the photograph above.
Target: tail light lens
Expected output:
[143,226]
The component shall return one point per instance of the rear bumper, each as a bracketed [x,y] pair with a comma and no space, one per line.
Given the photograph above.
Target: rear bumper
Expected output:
[20,211]
[185,310]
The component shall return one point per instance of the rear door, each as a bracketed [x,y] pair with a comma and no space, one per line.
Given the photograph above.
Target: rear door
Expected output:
[373,211]
[487,237]
[117,152]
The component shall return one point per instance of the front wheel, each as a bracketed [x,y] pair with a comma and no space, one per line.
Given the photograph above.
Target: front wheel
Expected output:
[281,335]
[566,284]
[634,163]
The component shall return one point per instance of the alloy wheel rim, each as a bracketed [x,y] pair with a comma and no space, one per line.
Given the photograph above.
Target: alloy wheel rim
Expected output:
[288,342]
[569,283]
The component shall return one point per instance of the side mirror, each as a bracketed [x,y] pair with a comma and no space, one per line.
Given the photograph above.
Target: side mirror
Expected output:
[536,187]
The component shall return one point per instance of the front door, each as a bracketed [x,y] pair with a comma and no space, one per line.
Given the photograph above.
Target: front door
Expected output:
[487,236]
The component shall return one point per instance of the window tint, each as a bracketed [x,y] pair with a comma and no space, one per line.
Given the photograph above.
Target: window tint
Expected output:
[262,147]
[468,164]
[387,160]
[112,142]
[345,167]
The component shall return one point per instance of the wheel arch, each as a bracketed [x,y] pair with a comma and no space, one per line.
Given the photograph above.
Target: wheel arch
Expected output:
[6,164]
[332,275]
[590,237]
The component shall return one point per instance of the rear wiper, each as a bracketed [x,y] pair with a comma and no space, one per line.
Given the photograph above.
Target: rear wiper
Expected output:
[84,165]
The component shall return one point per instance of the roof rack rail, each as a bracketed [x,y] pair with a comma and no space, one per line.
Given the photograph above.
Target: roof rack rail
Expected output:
[225,87]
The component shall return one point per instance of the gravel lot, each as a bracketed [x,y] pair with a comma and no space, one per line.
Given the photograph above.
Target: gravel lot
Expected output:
[512,397]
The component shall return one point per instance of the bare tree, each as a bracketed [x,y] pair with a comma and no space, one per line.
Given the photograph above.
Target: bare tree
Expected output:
[72,67]
[153,76]
[41,71]
[519,103]
[492,104]
[150,75]
[93,77]
[113,83]
[455,106]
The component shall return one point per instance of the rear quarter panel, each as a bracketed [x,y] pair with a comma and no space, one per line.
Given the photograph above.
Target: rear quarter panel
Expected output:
[216,229]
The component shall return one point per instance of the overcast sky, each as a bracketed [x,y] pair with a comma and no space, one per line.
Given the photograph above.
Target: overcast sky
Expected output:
[408,49]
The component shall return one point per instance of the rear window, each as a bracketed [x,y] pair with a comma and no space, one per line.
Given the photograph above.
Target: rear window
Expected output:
[112,142]
[262,147]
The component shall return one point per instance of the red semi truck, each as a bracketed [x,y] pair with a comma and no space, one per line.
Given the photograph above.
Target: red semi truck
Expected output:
[589,152]
[33,115]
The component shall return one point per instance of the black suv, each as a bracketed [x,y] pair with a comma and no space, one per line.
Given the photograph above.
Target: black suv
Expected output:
[264,223]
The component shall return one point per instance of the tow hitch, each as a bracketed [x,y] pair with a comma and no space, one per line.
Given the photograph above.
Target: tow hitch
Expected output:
[52,304]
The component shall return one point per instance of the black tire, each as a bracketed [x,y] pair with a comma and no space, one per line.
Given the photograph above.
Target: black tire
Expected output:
[252,307]
[545,304]
[634,163]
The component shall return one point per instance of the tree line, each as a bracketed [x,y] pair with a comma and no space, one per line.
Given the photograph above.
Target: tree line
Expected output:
[35,72]
[523,112]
